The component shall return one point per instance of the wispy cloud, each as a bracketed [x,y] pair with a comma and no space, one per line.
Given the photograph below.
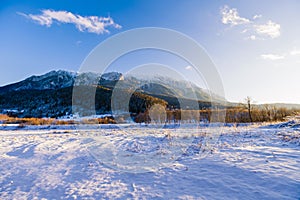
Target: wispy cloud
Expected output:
[270,29]
[295,52]
[231,16]
[92,24]
[257,16]
[189,67]
[78,42]
[252,37]
[287,55]
[255,30]
[272,57]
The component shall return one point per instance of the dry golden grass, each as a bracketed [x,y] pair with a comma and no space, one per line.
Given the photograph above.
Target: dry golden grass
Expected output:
[4,119]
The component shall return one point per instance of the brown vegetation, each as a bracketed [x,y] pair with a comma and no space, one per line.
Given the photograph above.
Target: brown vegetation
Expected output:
[4,119]
[239,114]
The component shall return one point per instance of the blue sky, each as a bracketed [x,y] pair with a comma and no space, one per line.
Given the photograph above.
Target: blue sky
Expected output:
[255,45]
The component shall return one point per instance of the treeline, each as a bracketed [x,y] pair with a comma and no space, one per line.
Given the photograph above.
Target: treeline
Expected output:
[161,116]
[264,113]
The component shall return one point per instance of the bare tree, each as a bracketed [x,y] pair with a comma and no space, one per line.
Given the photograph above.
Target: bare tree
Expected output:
[248,102]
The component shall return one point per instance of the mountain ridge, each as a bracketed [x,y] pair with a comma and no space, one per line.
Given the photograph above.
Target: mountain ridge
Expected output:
[50,94]
[58,79]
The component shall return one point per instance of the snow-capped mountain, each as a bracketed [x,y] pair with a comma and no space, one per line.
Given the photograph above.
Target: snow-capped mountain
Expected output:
[112,76]
[157,86]
[51,94]
[60,79]
[51,80]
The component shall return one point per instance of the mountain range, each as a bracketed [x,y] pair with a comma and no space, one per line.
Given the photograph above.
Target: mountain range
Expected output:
[50,94]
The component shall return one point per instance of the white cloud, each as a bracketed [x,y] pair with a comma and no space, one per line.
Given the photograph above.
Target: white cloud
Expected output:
[287,55]
[231,16]
[189,67]
[272,57]
[245,31]
[269,29]
[252,37]
[295,52]
[257,16]
[92,24]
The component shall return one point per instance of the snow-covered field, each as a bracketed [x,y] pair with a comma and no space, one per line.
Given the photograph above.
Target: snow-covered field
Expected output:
[246,162]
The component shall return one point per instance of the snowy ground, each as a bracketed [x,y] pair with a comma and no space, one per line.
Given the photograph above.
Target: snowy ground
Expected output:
[247,162]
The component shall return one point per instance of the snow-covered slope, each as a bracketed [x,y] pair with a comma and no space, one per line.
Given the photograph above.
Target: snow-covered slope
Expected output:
[248,162]
[62,79]
[59,79]
[50,95]
[112,76]
[51,80]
